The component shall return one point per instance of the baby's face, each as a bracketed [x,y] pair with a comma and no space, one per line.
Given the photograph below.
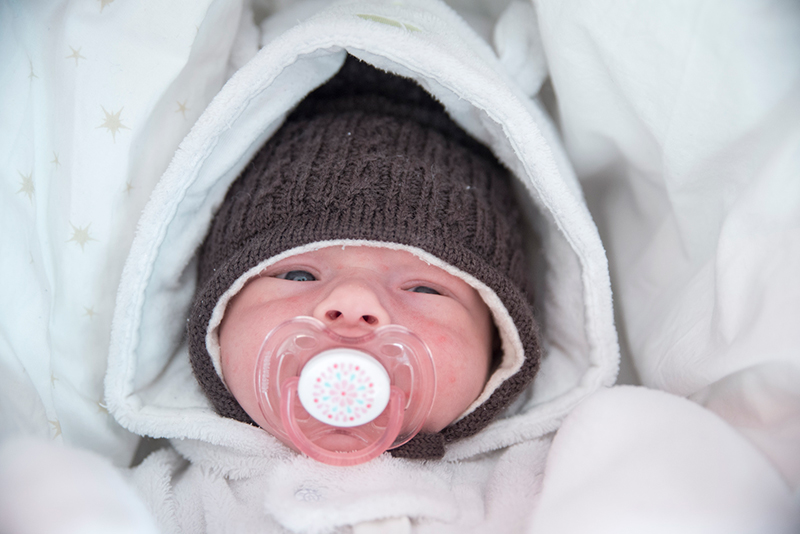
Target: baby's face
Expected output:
[354,291]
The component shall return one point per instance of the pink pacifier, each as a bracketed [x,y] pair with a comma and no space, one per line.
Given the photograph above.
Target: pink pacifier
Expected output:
[343,400]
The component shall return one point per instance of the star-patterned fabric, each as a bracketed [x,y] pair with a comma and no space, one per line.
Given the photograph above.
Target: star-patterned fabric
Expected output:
[96,97]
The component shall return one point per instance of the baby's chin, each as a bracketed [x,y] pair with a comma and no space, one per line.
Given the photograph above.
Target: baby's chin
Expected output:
[354,439]
[340,442]
[335,440]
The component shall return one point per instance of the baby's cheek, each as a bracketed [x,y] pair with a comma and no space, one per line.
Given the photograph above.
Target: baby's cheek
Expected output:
[232,365]
[456,359]
[298,304]
[239,345]
[457,386]
[446,377]
[443,341]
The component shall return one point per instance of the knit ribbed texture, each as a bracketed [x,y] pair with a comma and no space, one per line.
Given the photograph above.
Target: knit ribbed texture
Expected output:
[371,156]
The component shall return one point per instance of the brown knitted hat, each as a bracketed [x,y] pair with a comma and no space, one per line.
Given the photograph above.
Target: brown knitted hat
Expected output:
[371,156]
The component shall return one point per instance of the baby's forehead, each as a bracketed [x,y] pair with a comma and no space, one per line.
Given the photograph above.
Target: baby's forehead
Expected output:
[388,257]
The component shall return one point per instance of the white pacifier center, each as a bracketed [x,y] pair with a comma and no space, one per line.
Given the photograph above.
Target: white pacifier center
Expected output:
[344,387]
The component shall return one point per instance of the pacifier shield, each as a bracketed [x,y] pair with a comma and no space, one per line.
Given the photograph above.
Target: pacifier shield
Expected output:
[343,387]
[343,400]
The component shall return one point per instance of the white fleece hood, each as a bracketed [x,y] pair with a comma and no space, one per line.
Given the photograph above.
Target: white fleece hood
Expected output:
[150,389]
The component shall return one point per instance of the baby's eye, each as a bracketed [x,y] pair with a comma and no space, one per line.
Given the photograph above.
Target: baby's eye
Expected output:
[424,289]
[297,276]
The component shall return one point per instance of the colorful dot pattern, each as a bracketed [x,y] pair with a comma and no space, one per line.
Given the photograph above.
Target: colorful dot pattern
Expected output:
[344,393]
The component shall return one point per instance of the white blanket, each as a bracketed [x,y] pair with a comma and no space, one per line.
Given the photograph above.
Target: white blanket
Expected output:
[683,122]
[95,98]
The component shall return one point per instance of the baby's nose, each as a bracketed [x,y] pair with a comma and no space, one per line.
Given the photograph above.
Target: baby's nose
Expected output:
[352,309]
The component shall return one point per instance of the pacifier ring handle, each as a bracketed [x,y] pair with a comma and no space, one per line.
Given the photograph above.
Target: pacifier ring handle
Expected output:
[397,402]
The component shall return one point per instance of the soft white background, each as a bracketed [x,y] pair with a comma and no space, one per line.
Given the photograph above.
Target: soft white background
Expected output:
[96,96]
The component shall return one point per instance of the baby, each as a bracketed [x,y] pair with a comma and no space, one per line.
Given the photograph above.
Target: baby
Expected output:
[370,207]
[354,291]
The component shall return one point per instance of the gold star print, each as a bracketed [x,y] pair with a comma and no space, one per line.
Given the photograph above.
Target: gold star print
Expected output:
[56,427]
[53,379]
[128,188]
[90,313]
[81,235]
[182,108]
[104,3]
[113,123]
[76,54]
[27,185]
[55,160]
[32,75]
